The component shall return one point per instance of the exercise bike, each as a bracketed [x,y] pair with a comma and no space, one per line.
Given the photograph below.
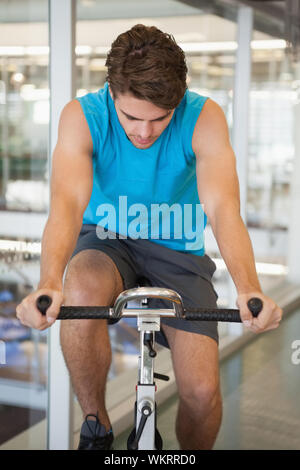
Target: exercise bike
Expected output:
[145,435]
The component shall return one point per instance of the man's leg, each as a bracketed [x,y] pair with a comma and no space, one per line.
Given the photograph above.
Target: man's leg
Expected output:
[196,367]
[92,279]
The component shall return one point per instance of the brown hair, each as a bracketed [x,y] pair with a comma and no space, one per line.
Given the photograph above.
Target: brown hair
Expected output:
[149,64]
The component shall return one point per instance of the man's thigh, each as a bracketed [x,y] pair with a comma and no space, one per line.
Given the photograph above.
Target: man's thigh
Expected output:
[92,276]
[195,360]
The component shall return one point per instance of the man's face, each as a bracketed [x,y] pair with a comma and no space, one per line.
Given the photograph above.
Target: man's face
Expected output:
[142,121]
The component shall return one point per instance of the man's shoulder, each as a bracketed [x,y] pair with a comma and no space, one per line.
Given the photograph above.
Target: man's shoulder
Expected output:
[91,109]
[186,117]
[193,98]
[212,114]
[211,124]
[190,107]
[94,101]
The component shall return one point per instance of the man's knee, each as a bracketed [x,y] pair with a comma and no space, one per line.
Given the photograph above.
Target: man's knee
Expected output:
[92,277]
[202,396]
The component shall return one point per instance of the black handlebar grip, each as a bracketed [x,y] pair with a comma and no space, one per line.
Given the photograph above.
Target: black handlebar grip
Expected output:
[220,315]
[43,302]
[255,306]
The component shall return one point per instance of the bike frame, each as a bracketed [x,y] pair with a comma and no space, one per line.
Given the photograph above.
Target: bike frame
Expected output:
[145,434]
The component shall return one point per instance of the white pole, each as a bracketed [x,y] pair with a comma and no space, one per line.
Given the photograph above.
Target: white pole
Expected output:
[241,95]
[62,90]
[294,225]
[240,132]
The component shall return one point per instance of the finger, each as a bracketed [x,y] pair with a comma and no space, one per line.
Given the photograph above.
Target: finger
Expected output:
[255,329]
[250,326]
[268,319]
[44,327]
[259,329]
[23,321]
[18,313]
[278,314]
[247,323]
[260,323]
[272,327]
[53,310]
[31,316]
[246,317]
[266,316]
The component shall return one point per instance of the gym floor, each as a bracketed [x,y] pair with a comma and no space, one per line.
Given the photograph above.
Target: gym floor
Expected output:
[260,387]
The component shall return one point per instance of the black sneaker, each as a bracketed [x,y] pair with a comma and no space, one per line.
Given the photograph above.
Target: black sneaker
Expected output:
[93,435]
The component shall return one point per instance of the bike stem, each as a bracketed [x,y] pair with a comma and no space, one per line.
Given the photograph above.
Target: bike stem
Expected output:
[145,395]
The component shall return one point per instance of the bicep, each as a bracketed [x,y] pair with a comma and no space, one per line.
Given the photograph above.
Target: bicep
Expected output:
[217,178]
[72,167]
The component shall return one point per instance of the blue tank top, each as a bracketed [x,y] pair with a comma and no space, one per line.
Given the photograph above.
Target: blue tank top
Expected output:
[145,193]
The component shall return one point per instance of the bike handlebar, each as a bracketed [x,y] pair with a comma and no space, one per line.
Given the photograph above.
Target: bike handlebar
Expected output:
[255,305]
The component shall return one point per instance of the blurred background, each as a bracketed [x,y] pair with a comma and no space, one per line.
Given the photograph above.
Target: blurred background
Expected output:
[208,33]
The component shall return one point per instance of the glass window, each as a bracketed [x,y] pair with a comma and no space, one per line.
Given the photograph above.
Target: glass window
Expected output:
[271,147]
[24,127]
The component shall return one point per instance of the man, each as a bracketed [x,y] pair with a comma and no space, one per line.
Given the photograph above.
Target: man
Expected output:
[140,142]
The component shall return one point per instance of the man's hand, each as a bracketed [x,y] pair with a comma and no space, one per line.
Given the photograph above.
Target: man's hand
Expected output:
[268,319]
[29,315]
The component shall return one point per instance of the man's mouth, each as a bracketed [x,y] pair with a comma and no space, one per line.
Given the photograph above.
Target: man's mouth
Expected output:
[142,141]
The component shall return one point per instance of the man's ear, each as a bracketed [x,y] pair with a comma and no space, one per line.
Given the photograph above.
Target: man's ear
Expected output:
[111,93]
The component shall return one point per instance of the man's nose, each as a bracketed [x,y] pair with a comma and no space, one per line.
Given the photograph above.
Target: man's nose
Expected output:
[145,130]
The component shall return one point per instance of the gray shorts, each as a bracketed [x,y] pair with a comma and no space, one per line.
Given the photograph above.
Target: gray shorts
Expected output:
[189,275]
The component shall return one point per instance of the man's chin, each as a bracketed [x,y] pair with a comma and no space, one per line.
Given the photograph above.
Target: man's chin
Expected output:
[140,144]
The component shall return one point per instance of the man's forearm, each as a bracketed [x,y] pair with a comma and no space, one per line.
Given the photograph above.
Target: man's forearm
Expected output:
[58,242]
[236,249]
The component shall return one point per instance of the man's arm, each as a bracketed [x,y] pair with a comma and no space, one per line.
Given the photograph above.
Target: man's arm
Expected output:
[218,190]
[71,186]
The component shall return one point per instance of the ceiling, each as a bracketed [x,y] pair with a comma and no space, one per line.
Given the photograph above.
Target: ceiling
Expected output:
[18,11]
[276,18]
[25,22]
